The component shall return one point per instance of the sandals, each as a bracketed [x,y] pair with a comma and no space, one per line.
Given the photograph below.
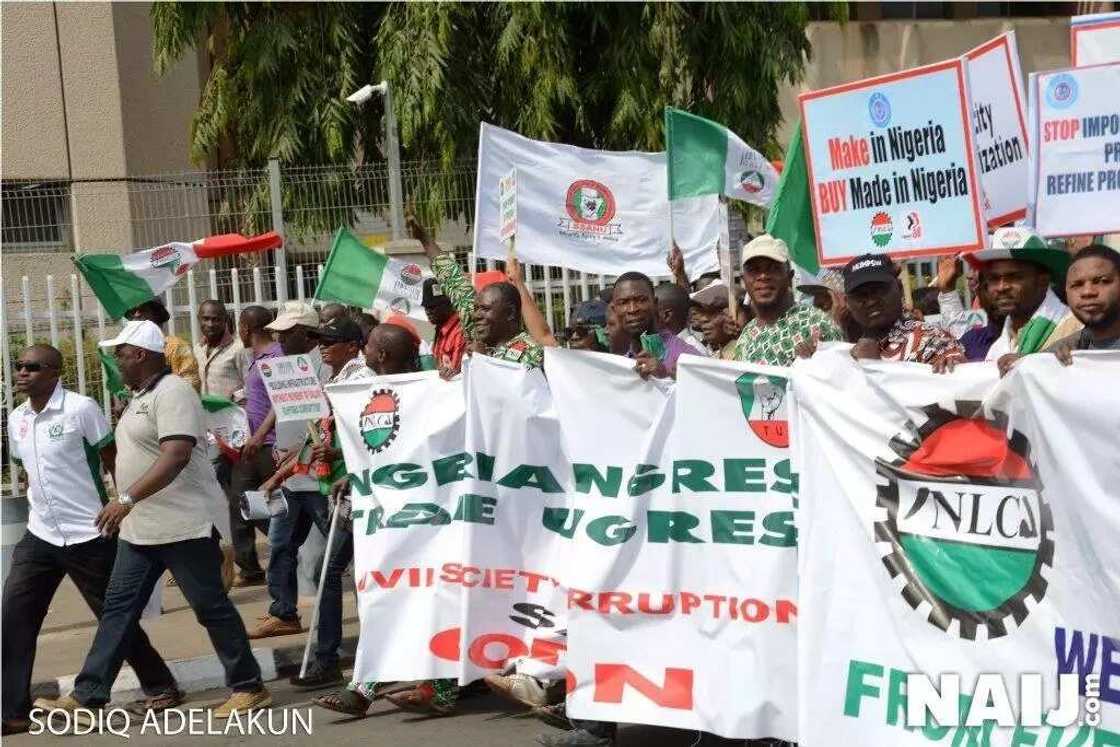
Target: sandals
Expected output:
[344,701]
[156,703]
[421,699]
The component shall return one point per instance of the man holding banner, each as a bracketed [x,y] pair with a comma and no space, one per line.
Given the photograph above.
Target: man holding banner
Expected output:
[1018,271]
[490,317]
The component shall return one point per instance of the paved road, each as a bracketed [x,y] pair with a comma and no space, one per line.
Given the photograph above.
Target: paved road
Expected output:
[481,720]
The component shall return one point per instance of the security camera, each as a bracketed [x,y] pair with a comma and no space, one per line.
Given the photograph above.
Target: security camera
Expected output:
[363,94]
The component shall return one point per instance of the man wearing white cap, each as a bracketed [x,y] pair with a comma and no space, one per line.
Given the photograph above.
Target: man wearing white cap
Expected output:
[168,498]
[779,324]
[297,332]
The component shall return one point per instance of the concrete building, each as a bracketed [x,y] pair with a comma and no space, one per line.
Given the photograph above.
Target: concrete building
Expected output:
[82,112]
[85,119]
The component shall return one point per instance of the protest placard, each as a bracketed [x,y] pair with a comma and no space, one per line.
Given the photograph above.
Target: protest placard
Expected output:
[507,205]
[1075,150]
[293,388]
[999,127]
[891,165]
[1094,39]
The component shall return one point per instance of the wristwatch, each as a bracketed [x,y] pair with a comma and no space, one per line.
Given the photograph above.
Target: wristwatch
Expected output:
[125,500]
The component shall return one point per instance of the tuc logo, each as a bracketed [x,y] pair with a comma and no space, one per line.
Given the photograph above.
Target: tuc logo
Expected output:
[966,522]
[763,399]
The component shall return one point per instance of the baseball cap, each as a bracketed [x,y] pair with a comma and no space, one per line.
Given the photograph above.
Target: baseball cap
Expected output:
[710,294]
[294,313]
[432,293]
[825,278]
[765,246]
[590,313]
[341,329]
[138,332]
[868,268]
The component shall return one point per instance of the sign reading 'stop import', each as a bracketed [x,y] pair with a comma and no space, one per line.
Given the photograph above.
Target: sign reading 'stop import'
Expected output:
[891,165]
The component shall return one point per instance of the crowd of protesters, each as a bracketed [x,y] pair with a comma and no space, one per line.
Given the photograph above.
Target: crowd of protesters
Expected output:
[169,490]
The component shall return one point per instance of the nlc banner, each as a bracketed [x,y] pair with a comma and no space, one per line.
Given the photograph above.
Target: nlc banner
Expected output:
[494,513]
[958,550]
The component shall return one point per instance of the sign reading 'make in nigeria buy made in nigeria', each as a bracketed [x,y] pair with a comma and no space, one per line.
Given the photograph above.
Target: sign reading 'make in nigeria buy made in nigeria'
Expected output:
[1075,153]
[891,165]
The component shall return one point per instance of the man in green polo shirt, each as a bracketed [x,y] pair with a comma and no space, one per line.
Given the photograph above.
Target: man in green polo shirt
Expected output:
[779,323]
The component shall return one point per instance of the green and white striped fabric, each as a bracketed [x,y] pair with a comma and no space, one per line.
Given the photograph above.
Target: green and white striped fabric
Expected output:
[706,158]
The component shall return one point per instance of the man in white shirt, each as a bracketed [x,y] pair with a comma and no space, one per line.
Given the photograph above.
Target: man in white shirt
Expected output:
[61,439]
[167,504]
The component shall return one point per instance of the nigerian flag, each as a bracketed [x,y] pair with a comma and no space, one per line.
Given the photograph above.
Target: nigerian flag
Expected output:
[791,214]
[706,158]
[123,282]
[113,381]
[357,275]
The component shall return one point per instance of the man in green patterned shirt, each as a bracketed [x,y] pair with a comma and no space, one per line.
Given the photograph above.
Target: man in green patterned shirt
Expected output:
[491,318]
[778,323]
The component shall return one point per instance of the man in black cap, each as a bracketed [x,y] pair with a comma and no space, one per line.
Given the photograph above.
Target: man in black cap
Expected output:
[449,342]
[176,350]
[874,296]
[589,327]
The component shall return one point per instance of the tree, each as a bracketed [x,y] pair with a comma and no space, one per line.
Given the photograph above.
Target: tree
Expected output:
[593,74]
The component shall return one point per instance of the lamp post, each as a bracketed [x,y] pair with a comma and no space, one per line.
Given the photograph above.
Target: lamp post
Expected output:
[393,151]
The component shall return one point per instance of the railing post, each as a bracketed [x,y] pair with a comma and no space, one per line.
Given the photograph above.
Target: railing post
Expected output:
[79,338]
[280,259]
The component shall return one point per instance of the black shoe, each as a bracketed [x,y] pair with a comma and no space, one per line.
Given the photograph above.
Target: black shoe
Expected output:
[317,678]
[574,738]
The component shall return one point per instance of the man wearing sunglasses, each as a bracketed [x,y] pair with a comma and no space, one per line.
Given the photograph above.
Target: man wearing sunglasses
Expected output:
[61,439]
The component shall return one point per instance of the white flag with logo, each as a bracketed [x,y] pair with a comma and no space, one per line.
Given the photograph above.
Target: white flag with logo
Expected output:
[597,211]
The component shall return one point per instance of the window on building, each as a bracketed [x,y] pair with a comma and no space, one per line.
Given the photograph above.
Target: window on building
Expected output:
[36,217]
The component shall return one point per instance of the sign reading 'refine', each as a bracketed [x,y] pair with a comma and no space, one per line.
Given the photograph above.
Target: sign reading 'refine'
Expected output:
[891,165]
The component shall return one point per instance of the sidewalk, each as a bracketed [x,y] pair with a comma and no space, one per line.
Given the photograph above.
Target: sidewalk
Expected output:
[68,632]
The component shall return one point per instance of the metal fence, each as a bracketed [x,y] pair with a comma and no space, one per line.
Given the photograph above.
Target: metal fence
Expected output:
[44,223]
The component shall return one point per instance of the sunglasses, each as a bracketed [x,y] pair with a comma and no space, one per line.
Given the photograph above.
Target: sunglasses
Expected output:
[29,366]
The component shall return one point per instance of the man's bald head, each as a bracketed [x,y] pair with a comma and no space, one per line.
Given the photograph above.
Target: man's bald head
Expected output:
[332,311]
[672,306]
[392,349]
[46,354]
[251,325]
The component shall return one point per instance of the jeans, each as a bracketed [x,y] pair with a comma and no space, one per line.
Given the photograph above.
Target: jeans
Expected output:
[329,636]
[235,480]
[196,565]
[285,535]
[36,571]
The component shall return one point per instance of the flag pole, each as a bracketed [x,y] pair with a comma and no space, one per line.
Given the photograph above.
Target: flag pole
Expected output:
[669,178]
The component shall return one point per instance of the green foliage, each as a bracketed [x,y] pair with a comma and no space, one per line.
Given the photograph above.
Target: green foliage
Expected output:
[592,74]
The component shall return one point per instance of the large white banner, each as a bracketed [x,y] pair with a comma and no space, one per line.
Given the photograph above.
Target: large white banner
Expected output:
[999,127]
[597,211]
[1075,150]
[493,513]
[892,167]
[964,530]
[682,578]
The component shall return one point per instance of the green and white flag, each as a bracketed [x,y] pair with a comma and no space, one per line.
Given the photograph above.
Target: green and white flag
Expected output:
[791,215]
[123,282]
[706,158]
[227,427]
[358,275]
